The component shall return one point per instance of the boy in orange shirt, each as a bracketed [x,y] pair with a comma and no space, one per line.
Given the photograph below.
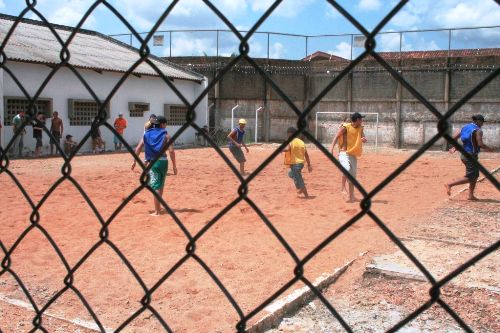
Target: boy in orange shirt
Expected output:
[120,125]
[295,155]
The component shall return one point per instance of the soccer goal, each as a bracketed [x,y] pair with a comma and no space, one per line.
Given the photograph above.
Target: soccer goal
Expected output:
[328,123]
[253,122]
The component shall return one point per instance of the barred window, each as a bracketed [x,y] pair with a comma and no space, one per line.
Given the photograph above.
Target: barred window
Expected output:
[82,112]
[175,114]
[137,109]
[13,105]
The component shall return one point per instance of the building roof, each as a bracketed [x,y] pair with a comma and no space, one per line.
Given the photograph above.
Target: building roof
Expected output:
[320,55]
[463,53]
[33,42]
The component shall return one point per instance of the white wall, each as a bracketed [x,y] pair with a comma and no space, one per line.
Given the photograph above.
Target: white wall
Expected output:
[65,85]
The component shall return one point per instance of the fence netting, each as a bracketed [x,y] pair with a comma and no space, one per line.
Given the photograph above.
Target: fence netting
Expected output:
[441,120]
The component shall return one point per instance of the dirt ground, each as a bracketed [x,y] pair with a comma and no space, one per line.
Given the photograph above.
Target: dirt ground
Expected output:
[240,249]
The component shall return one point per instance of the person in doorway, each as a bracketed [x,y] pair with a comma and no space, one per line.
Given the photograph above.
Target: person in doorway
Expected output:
[471,136]
[350,138]
[120,124]
[295,156]
[69,144]
[56,129]
[38,124]
[98,144]
[154,141]
[18,143]
[236,143]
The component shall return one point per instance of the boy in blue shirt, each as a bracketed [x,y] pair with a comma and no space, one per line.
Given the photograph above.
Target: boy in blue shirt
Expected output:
[235,139]
[472,139]
[154,140]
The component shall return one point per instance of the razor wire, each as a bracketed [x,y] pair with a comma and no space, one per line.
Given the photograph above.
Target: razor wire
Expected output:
[243,195]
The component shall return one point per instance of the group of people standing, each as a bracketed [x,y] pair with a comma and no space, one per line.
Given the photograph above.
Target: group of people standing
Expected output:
[56,130]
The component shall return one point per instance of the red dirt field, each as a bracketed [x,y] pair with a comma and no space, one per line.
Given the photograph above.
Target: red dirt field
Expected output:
[240,249]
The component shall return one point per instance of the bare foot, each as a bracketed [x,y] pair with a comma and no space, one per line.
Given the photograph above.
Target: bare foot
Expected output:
[155,214]
[448,189]
[473,198]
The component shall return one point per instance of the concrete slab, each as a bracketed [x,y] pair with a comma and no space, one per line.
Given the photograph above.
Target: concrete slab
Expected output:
[440,259]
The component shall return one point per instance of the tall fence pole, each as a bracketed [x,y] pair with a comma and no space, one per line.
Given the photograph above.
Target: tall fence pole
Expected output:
[232,115]
[257,123]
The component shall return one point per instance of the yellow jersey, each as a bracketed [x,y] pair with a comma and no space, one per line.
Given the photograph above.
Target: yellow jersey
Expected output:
[297,152]
[353,136]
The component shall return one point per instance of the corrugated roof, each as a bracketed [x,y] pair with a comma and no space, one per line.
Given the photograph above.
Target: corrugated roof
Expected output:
[33,42]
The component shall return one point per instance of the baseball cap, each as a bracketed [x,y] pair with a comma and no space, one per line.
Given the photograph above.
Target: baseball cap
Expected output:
[478,117]
[120,114]
[161,120]
[356,115]
[69,136]
[242,121]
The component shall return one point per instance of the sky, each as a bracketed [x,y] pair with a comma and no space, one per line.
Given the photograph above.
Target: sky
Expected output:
[302,17]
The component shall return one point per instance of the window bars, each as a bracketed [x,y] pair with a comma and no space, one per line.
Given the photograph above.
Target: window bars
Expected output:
[192,239]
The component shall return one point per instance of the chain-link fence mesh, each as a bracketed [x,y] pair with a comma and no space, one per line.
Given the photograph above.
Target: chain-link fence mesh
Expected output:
[441,120]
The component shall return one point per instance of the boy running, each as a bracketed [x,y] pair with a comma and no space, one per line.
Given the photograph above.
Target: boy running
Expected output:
[295,155]
[235,139]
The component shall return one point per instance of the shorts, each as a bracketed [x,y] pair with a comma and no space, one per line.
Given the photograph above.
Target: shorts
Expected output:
[349,162]
[116,140]
[296,174]
[237,153]
[471,168]
[38,141]
[56,139]
[158,174]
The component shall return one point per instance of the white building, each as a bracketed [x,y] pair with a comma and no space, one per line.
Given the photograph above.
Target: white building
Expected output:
[33,52]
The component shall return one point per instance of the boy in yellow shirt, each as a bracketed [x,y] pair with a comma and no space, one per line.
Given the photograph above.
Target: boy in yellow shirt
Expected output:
[350,138]
[295,155]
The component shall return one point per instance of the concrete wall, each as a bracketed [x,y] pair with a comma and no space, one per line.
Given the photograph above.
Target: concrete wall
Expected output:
[65,85]
[403,120]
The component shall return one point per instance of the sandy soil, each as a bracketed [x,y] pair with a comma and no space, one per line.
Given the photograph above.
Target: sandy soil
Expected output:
[239,249]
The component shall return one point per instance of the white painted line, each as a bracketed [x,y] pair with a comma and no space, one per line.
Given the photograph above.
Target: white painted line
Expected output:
[76,321]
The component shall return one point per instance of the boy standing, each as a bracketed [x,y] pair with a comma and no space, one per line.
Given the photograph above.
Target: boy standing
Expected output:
[154,141]
[56,129]
[38,124]
[120,124]
[295,155]
[18,143]
[235,139]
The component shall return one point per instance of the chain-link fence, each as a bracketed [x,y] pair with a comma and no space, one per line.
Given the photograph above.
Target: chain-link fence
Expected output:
[221,43]
[441,120]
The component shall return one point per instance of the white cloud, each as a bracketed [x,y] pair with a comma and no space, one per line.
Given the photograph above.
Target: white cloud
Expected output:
[288,8]
[277,50]
[185,14]
[190,46]
[343,50]
[448,14]
[66,12]
[370,5]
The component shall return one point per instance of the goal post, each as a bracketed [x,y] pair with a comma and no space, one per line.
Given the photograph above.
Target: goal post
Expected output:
[338,119]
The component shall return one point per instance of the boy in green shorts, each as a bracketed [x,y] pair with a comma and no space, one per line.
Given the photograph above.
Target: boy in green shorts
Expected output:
[154,140]
[295,155]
